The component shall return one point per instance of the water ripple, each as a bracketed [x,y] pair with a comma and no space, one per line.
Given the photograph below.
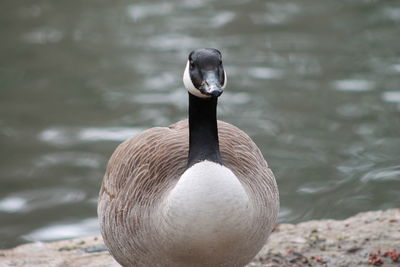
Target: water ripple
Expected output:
[90,160]
[396,67]
[354,85]
[392,13]
[144,10]
[161,81]
[65,230]
[383,175]
[12,204]
[43,36]
[316,188]
[265,73]
[173,42]
[176,97]
[70,136]
[28,201]
[221,19]
[352,110]
[277,13]
[391,96]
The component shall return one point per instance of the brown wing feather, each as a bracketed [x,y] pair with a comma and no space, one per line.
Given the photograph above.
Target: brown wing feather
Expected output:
[143,165]
[149,162]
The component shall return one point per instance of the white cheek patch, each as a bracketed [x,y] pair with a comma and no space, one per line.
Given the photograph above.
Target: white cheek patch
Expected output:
[225,80]
[187,81]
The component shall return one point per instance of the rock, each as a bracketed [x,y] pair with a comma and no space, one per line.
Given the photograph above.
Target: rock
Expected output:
[334,243]
[87,251]
[367,239]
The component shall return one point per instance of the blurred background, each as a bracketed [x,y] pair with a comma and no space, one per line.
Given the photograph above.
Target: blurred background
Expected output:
[315,83]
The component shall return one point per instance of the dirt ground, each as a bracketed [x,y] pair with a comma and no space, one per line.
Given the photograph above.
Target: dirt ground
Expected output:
[367,239]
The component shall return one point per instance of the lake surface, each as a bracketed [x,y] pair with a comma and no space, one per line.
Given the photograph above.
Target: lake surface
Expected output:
[316,84]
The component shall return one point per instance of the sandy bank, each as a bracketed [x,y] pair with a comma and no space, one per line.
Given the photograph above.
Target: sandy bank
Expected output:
[367,239]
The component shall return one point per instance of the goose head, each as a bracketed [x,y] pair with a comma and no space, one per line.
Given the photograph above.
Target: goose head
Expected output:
[204,74]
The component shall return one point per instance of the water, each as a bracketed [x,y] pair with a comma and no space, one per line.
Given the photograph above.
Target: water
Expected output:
[315,83]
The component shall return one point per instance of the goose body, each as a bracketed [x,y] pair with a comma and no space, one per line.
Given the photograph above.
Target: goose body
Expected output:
[196,193]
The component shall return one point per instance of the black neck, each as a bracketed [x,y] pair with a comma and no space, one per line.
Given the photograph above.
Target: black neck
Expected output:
[203,131]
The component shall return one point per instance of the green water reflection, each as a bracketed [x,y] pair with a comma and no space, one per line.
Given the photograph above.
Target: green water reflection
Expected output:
[315,84]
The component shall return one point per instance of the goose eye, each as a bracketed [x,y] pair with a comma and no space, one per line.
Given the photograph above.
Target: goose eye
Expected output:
[191,65]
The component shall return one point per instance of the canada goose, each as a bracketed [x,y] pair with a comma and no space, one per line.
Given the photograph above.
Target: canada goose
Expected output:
[196,193]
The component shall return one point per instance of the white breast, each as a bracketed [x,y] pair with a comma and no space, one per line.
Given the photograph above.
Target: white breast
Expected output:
[208,212]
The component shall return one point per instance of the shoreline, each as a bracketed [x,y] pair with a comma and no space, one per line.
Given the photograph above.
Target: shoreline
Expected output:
[366,239]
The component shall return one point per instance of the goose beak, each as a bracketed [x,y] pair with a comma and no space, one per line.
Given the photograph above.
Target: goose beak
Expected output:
[211,85]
